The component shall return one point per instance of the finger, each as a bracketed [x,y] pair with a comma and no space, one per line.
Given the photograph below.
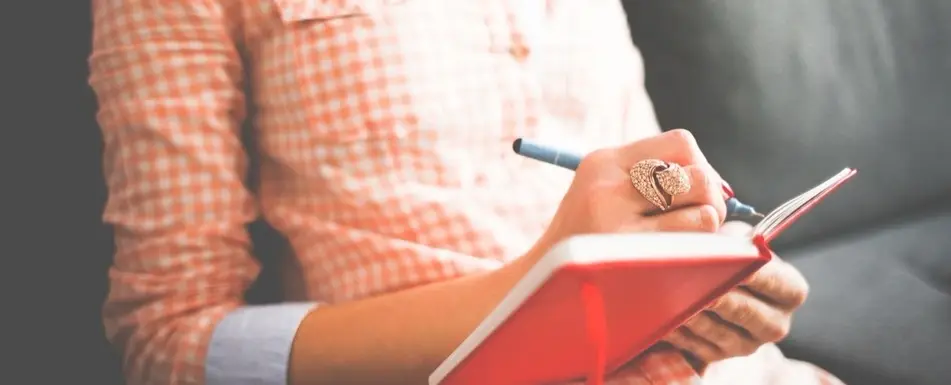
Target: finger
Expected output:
[705,189]
[703,218]
[763,322]
[731,340]
[780,284]
[684,339]
[677,146]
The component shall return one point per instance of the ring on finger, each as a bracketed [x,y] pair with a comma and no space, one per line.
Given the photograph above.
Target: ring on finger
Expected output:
[659,182]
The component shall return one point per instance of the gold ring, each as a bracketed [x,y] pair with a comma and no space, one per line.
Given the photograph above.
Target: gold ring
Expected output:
[659,181]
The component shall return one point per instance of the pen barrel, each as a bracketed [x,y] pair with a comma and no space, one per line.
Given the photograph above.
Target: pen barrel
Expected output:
[547,154]
[570,160]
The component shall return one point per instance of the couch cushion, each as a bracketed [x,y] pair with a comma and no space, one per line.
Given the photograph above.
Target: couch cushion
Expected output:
[783,93]
[877,313]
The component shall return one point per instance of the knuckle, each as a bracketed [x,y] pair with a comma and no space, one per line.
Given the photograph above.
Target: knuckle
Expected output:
[785,281]
[697,348]
[800,295]
[743,312]
[682,137]
[800,292]
[709,353]
[776,330]
[770,283]
[721,304]
[677,337]
[686,339]
[699,325]
[685,141]
[721,336]
[706,326]
[722,333]
[733,346]
[704,354]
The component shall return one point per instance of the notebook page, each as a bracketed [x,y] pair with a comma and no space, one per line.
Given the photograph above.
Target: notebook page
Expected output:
[792,207]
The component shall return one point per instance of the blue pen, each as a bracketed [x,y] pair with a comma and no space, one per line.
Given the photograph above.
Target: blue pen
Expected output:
[570,160]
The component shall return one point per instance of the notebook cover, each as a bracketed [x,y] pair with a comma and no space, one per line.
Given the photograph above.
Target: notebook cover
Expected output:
[546,341]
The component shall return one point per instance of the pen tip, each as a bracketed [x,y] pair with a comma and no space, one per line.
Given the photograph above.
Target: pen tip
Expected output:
[758,215]
[517,146]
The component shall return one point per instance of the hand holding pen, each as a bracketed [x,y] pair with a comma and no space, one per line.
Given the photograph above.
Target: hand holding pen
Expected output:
[657,180]
[601,200]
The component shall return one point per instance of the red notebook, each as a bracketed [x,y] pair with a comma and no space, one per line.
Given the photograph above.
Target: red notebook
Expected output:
[594,302]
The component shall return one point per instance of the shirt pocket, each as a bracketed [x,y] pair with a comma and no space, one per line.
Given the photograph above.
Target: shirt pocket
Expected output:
[397,71]
[335,71]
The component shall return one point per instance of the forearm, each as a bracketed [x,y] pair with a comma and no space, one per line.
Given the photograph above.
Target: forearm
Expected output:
[396,338]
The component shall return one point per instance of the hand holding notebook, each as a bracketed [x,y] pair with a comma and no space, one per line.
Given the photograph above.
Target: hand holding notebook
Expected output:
[594,302]
[757,312]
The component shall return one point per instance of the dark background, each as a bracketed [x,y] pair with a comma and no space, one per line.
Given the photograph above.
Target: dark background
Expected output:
[58,247]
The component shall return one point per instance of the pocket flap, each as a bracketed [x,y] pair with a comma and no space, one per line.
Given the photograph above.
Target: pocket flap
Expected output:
[292,11]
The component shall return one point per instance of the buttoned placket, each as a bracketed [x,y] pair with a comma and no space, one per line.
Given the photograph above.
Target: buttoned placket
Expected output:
[510,42]
[516,27]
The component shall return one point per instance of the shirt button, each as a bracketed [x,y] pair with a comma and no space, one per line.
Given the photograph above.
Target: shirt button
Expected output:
[519,52]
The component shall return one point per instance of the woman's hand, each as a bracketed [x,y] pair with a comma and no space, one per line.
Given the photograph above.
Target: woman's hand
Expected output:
[602,199]
[757,312]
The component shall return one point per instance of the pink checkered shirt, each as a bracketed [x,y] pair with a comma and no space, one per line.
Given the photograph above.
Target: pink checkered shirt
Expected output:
[384,129]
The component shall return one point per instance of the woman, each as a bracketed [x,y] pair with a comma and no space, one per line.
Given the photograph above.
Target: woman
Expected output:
[384,129]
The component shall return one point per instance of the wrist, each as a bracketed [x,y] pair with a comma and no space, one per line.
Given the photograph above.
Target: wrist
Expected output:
[532,256]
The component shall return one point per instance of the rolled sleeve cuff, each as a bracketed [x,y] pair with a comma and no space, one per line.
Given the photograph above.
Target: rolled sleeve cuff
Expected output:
[252,345]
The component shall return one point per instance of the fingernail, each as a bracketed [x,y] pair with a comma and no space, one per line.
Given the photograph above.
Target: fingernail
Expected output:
[727,190]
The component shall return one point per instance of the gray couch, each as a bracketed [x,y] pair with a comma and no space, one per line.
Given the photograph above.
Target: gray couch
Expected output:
[783,93]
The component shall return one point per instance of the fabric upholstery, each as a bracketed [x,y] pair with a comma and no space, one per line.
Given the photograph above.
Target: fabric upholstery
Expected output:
[875,314]
[783,93]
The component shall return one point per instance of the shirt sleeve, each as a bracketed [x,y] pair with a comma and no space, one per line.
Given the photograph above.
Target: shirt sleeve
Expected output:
[252,345]
[168,81]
